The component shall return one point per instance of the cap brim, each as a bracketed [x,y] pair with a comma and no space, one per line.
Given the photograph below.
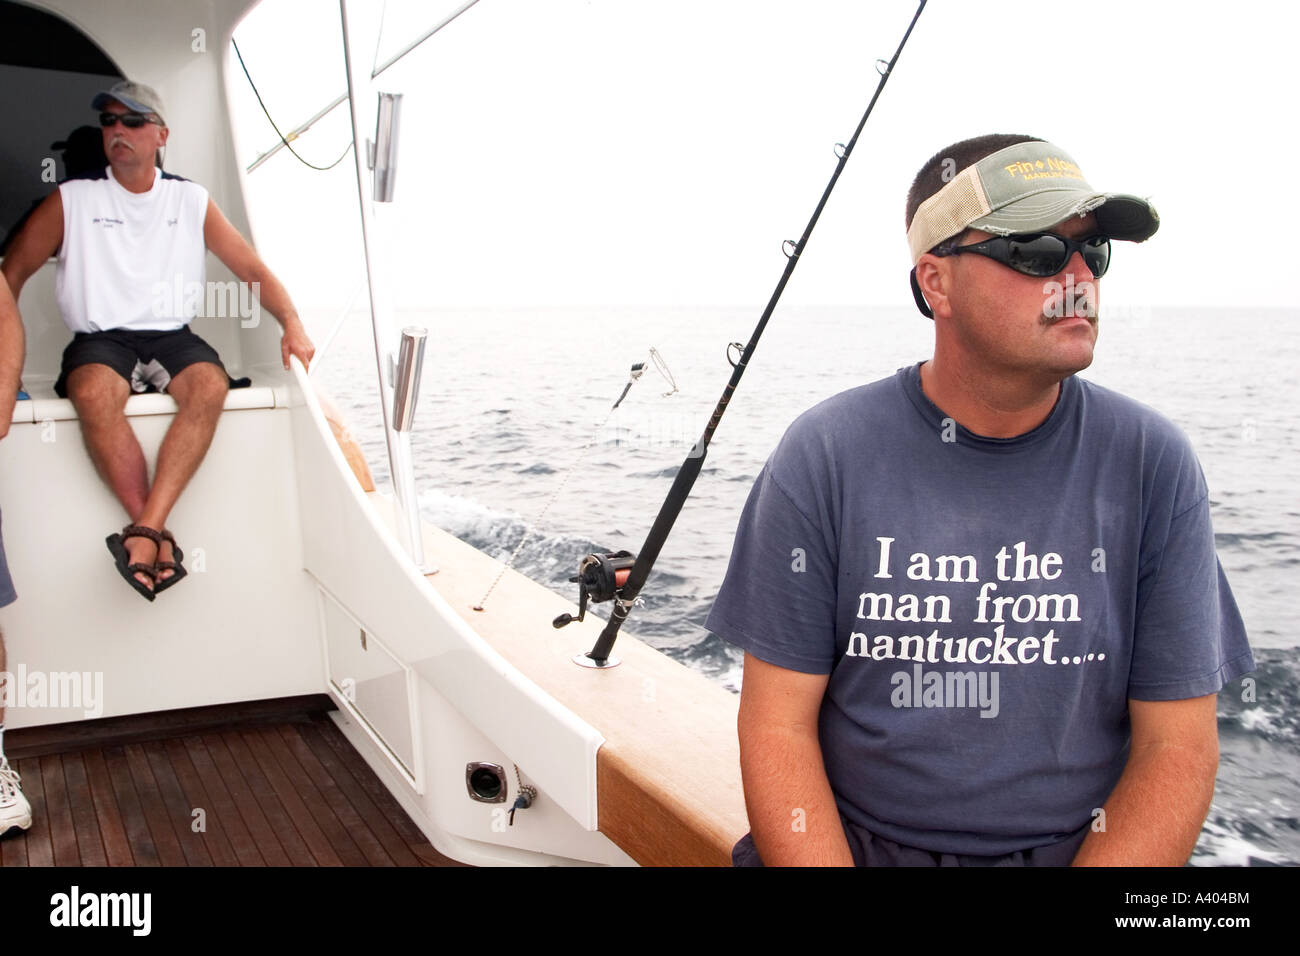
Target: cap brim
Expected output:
[103,99]
[1128,217]
[1118,216]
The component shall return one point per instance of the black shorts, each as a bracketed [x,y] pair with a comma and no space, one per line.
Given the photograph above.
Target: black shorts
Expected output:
[147,360]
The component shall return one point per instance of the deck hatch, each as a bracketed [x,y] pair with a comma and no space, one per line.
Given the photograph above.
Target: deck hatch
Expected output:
[371,681]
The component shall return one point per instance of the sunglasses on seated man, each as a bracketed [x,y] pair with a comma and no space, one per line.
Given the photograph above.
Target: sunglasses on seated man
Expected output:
[129,120]
[1040,254]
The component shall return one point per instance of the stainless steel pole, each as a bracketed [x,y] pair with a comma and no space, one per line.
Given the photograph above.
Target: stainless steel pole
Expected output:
[381,312]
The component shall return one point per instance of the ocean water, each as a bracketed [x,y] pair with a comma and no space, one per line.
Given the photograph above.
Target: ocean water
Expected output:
[514,441]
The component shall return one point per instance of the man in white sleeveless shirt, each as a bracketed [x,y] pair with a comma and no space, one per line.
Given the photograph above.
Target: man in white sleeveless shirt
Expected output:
[117,237]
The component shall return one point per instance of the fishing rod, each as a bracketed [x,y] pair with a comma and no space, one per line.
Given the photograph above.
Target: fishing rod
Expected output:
[619,576]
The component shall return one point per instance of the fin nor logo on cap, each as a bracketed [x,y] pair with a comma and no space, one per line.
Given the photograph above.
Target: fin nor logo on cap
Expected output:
[1049,167]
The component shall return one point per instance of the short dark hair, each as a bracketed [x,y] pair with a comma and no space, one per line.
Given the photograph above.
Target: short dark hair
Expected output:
[946,163]
[937,173]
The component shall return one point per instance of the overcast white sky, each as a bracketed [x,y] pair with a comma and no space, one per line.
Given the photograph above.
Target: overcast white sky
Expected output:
[624,152]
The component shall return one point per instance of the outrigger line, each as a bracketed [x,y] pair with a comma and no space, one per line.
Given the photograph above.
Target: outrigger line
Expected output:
[638,368]
[602,577]
[284,141]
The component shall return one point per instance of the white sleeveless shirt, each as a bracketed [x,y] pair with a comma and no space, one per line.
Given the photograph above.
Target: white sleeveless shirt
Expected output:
[131,260]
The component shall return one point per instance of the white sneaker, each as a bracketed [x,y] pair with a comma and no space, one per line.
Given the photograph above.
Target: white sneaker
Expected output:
[15,811]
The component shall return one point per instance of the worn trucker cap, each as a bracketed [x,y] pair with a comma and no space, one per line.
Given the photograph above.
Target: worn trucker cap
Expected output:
[136,96]
[1027,187]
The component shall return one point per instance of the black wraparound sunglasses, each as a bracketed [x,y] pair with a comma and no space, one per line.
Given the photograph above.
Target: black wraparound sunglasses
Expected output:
[1041,254]
[129,120]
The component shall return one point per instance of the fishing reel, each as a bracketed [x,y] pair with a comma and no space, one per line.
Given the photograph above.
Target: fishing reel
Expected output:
[599,577]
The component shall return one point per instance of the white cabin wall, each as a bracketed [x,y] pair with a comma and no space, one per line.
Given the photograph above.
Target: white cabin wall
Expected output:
[241,626]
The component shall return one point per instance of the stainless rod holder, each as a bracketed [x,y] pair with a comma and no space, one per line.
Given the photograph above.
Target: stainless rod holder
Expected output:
[383,156]
[406,380]
[406,392]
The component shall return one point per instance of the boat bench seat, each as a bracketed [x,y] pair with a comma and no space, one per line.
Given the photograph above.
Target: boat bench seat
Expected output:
[254,352]
[44,406]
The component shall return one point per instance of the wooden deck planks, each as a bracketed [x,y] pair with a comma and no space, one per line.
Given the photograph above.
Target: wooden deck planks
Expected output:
[215,837]
[285,793]
[221,807]
[385,801]
[330,740]
[246,801]
[287,835]
[40,852]
[393,842]
[300,815]
[176,805]
[341,808]
[117,845]
[58,812]
[340,839]
[160,820]
[90,845]
[134,824]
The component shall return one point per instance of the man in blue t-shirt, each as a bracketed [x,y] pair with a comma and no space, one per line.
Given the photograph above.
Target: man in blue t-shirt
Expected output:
[983,617]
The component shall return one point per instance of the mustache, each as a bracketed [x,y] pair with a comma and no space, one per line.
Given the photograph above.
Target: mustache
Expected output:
[1069,301]
[119,138]
[1050,320]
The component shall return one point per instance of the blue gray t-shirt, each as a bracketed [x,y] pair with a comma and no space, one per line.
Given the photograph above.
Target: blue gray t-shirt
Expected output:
[7,593]
[985,607]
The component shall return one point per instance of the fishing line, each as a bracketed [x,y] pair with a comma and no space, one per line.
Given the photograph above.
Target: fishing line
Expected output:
[619,576]
[662,366]
[636,372]
[322,169]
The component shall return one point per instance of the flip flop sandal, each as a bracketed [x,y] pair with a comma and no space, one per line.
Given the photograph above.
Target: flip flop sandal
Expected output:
[117,548]
[162,584]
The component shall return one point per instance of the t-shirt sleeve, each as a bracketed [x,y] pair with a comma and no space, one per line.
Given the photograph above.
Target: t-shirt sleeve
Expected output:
[1190,639]
[778,598]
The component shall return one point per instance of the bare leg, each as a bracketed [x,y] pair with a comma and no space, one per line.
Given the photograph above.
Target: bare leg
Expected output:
[2,685]
[99,394]
[200,393]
